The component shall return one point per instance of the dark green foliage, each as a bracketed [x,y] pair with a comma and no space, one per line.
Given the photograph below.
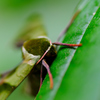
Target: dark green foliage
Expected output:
[81,80]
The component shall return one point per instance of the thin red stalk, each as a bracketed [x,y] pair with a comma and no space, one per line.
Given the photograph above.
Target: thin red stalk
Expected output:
[65,44]
[48,70]
[44,54]
[41,76]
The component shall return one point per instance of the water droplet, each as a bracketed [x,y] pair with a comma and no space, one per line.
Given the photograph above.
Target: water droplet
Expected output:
[94,13]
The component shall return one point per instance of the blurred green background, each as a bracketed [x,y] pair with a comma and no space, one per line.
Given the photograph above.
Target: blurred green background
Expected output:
[13,14]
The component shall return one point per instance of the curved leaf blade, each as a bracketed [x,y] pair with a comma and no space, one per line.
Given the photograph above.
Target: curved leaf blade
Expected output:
[64,57]
[14,78]
[82,79]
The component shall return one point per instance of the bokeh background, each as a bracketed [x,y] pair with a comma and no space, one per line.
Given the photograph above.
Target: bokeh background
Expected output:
[13,14]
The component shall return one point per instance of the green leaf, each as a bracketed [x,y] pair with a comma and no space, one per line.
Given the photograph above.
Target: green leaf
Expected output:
[30,56]
[33,28]
[14,78]
[81,81]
